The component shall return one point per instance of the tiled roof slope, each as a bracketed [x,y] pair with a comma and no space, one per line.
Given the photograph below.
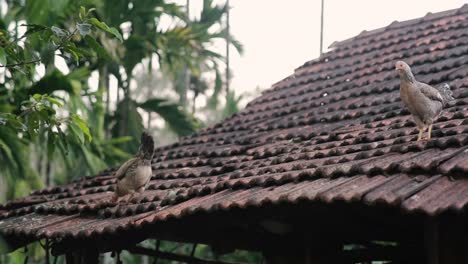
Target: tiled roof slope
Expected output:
[333,131]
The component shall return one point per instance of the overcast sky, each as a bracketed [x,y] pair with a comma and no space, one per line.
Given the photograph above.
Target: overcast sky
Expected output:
[279,36]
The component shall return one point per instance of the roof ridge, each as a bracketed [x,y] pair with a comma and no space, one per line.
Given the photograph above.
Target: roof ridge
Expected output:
[393,25]
[399,24]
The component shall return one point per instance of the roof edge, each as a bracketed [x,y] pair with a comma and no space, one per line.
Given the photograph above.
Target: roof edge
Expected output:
[394,25]
[399,24]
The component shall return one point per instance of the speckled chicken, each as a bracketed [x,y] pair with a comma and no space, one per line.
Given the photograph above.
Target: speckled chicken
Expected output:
[135,174]
[423,101]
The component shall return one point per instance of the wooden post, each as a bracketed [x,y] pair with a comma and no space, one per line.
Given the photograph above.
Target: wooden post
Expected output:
[83,256]
[446,240]
[453,240]
[300,252]
[431,240]
[90,256]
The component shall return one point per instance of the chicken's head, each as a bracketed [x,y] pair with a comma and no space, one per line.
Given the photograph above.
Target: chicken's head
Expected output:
[401,67]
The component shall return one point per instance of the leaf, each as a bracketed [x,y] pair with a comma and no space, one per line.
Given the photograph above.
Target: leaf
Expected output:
[82,125]
[6,151]
[79,74]
[59,32]
[11,120]
[232,104]
[54,101]
[213,101]
[16,160]
[118,140]
[135,52]
[232,40]
[75,55]
[54,81]
[90,10]
[3,59]
[237,45]
[92,161]
[34,28]
[77,52]
[84,28]
[128,122]
[51,141]
[179,121]
[92,43]
[106,28]
[82,13]
[76,132]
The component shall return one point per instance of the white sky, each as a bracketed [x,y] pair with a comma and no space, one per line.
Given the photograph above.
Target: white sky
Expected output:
[279,36]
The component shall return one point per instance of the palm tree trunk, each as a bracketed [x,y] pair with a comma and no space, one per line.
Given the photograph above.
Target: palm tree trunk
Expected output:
[106,131]
[194,108]
[127,97]
[99,105]
[228,42]
[150,71]
[321,28]
[183,95]
[48,173]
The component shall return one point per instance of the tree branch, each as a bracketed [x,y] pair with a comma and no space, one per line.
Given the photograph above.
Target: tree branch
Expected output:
[39,60]
[20,63]
[171,256]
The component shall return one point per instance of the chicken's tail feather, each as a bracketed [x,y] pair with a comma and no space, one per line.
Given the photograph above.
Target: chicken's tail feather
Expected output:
[147,146]
[446,92]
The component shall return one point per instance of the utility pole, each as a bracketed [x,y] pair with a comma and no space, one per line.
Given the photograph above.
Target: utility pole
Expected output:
[228,42]
[186,69]
[321,29]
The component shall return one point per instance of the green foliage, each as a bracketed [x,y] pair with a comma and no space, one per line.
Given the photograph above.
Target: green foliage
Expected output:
[202,251]
[3,59]
[97,48]
[135,52]
[38,116]
[35,111]
[101,25]
[55,126]
[54,81]
[15,57]
[12,154]
[127,120]
[68,123]
[213,101]
[181,123]
[232,104]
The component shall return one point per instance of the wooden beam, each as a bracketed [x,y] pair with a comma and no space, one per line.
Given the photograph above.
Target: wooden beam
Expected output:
[83,256]
[171,256]
[431,241]
[453,240]
[244,229]
[367,255]
[90,256]
[70,258]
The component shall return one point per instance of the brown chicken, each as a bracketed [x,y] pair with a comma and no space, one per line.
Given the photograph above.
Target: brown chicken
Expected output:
[135,174]
[423,101]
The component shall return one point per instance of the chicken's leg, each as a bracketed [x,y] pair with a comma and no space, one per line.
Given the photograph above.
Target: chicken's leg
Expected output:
[429,132]
[420,133]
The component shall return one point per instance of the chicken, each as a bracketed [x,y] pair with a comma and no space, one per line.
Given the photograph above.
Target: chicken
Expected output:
[134,175]
[423,101]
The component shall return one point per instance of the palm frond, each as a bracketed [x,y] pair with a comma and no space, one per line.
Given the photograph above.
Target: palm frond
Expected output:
[179,121]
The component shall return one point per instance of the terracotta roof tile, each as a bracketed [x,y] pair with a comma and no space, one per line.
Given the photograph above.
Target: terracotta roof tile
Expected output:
[335,130]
